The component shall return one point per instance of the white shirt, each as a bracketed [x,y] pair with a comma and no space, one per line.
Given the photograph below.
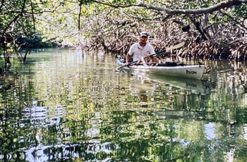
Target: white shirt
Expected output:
[140,52]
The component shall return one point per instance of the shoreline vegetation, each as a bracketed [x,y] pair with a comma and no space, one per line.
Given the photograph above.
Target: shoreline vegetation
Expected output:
[204,50]
[218,47]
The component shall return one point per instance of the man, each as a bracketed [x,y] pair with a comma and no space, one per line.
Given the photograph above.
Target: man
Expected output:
[141,50]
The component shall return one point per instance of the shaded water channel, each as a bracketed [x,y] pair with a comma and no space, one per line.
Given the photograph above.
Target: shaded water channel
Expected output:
[63,105]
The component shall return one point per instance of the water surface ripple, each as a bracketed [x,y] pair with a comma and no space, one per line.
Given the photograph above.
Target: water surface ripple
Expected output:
[68,105]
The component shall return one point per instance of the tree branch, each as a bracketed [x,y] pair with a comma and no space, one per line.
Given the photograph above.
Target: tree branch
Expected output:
[211,9]
[33,17]
[15,18]
[234,19]
[219,6]
[113,5]
[79,15]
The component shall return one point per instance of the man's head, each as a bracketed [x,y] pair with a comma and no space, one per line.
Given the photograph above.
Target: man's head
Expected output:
[143,38]
[144,34]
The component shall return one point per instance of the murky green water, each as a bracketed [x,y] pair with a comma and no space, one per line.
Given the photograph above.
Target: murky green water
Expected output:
[63,105]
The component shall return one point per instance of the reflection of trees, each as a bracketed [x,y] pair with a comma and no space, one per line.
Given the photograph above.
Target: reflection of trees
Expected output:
[103,119]
[220,105]
[15,93]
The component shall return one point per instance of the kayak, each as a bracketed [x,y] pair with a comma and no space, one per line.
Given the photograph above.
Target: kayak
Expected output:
[195,86]
[166,69]
[181,71]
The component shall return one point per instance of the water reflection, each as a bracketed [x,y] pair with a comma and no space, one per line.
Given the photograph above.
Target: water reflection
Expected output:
[73,106]
[38,116]
[210,131]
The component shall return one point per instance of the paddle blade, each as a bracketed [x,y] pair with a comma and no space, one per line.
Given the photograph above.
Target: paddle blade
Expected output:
[177,46]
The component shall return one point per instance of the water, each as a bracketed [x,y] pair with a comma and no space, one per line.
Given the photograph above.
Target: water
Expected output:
[64,105]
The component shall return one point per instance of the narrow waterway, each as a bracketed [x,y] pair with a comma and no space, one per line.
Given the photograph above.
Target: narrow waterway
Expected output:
[69,105]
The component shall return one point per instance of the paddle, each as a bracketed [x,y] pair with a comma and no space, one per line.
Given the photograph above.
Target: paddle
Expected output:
[177,46]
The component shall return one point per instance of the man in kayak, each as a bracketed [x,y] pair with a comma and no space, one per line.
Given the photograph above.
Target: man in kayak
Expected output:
[142,51]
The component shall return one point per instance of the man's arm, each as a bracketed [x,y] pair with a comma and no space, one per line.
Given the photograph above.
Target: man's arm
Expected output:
[129,54]
[154,59]
[152,52]
[127,58]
